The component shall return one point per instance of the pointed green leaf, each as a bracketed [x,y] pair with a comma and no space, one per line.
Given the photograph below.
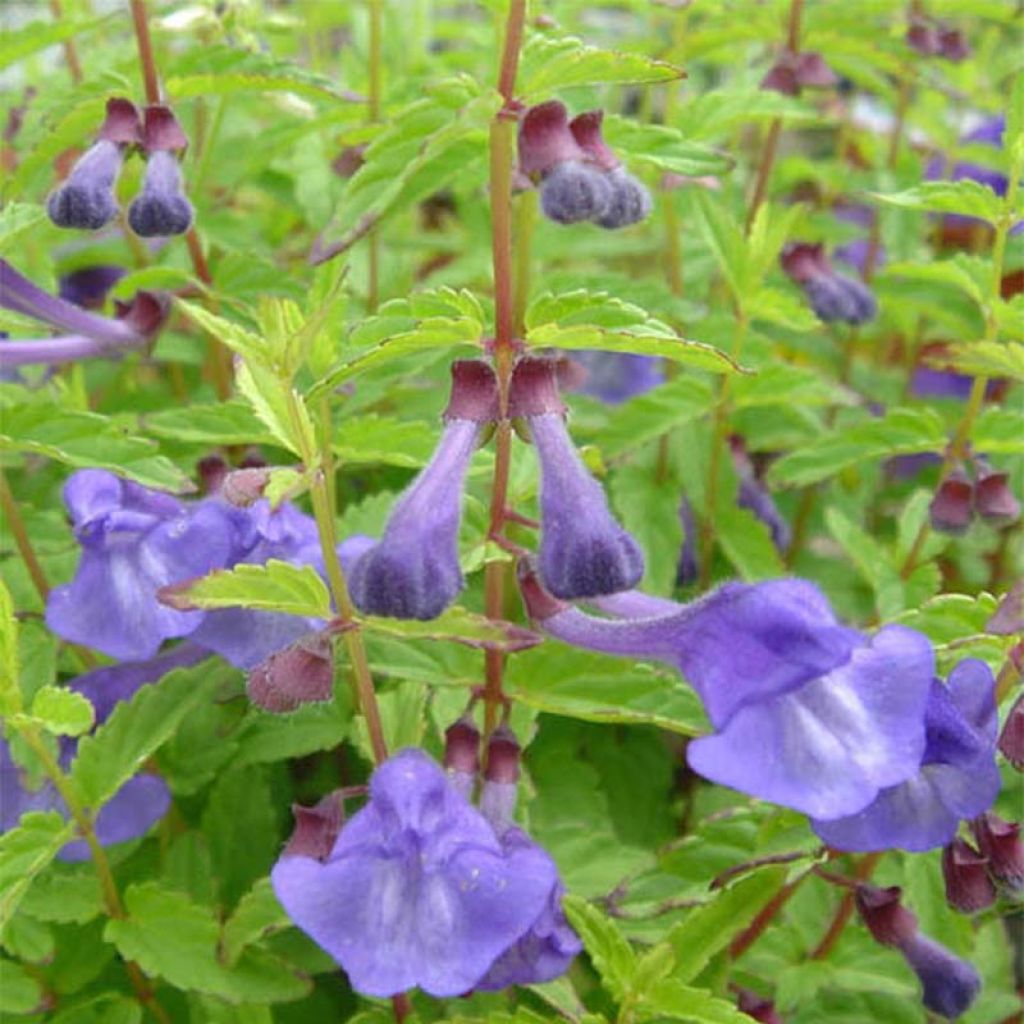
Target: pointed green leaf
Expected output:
[607,947]
[61,711]
[27,850]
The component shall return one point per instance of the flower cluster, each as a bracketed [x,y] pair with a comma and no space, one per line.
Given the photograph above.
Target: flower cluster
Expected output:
[413,570]
[580,178]
[86,199]
[833,296]
[793,72]
[973,875]
[958,499]
[853,731]
[419,888]
[932,38]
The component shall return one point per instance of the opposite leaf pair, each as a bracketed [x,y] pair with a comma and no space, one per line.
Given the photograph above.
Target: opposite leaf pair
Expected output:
[86,200]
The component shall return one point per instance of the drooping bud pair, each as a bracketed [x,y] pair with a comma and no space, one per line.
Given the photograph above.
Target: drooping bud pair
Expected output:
[792,72]
[833,296]
[1000,842]
[932,38]
[969,887]
[949,984]
[581,179]
[86,200]
[957,499]
[501,769]
[584,552]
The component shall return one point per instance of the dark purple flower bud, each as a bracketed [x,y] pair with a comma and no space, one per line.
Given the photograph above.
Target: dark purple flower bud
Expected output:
[1000,842]
[950,984]
[316,828]
[88,286]
[832,296]
[958,777]
[753,495]
[501,776]
[923,37]
[793,71]
[952,508]
[85,200]
[301,673]
[806,713]
[413,571]
[1008,618]
[757,1007]
[993,499]
[628,203]
[953,44]
[462,755]
[545,139]
[615,377]
[968,886]
[1011,739]
[889,922]
[583,551]
[134,541]
[161,209]
[417,889]
[574,192]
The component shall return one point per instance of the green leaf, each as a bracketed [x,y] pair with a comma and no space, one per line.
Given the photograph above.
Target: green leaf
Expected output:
[999,430]
[62,712]
[966,197]
[278,406]
[384,440]
[240,340]
[707,930]
[968,274]
[27,850]
[670,998]
[64,897]
[550,65]
[873,562]
[17,44]
[274,587]
[258,914]
[15,219]
[747,542]
[87,440]
[664,148]
[171,937]
[264,737]
[20,992]
[136,730]
[596,688]
[779,384]
[459,625]
[10,693]
[724,237]
[984,359]
[607,947]
[900,432]
[229,423]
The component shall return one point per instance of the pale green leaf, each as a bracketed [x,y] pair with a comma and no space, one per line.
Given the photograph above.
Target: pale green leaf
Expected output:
[10,693]
[458,625]
[670,998]
[607,947]
[25,851]
[62,712]
[966,197]
[984,359]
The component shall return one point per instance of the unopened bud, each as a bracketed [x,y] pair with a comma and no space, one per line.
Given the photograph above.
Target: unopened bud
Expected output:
[994,500]
[889,922]
[501,776]
[757,1007]
[949,984]
[243,487]
[629,202]
[316,828]
[462,754]
[952,508]
[968,886]
[1000,842]
[301,673]
[1011,739]
[574,192]
[474,394]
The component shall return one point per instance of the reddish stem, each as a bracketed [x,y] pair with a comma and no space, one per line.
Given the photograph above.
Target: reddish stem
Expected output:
[845,909]
[756,928]
[150,81]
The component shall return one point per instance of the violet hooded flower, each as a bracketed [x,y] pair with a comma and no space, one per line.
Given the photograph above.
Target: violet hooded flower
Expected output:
[833,297]
[615,377]
[161,208]
[88,335]
[584,552]
[807,713]
[417,890]
[134,541]
[413,571]
[958,778]
[88,286]
[141,802]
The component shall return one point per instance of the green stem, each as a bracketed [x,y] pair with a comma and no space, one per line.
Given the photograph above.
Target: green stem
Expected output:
[373,116]
[525,214]
[22,540]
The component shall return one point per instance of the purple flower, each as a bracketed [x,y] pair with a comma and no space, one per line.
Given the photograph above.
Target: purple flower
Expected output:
[88,286]
[807,713]
[583,550]
[957,778]
[88,335]
[86,199]
[574,192]
[832,296]
[161,208]
[413,571]
[417,890]
[141,801]
[615,377]
[949,984]
[134,541]
[628,200]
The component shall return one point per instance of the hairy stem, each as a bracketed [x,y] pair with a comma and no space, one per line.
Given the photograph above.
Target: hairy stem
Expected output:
[502,152]
[22,541]
[756,928]
[150,80]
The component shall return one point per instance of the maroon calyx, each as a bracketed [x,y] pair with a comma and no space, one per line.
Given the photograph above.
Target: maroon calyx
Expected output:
[243,487]
[474,394]
[122,123]
[533,388]
[993,499]
[792,72]
[539,604]
[301,673]
[503,756]
[1000,842]
[1011,739]
[161,130]
[146,313]
[965,871]
[889,922]
[316,827]
[462,746]
[952,508]
[804,261]
[586,130]
[545,139]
